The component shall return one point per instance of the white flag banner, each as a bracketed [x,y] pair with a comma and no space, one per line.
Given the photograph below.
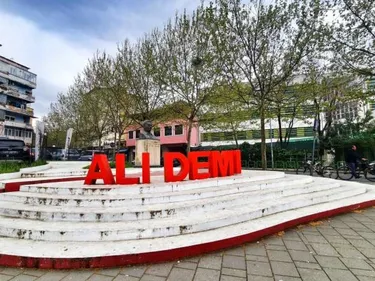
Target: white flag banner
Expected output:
[39,133]
[69,134]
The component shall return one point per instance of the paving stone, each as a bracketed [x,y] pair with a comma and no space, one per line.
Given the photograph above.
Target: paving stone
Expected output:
[325,250]
[365,278]
[361,272]
[336,240]
[328,232]
[259,268]
[356,226]
[309,265]
[11,271]
[275,247]
[356,263]
[233,272]
[160,269]
[23,277]
[294,245]
[302,256]
[126,278]
[368,252]
[231,278]
[338,224]
[350,252]
[256,258]
[181,274]
[147,277]
[136,271]
[286,278]
[330,262]
[234,262]
[367,235]
[78,275]
[33,272]
[239,251]
[192,259]
[361,243]
[313,275]
[5,277]
[340,275]
[284,268]
[291,235]
[279,256]
[186,265]
[97,277]
[110,271]
[259,278]
[346,231]
[204,274]
[212,262]
[316,239]
[274,241]
[55,275]
[256,250]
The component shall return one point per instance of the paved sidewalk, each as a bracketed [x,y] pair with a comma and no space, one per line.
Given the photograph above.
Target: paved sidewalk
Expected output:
[338,249]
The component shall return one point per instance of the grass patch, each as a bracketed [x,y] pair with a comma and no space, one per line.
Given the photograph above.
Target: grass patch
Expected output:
[113,165]
[13,167]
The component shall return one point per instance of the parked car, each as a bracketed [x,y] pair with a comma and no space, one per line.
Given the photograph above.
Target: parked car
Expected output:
[14,150]
[71,154]
[88,155]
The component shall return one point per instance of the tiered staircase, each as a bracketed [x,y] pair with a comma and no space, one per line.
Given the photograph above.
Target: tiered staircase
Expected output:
[160,221]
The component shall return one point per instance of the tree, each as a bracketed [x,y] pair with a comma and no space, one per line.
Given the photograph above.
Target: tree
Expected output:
[104,73]
[187,69]
[224,111]
[136,66]
[263,45]
[352,34]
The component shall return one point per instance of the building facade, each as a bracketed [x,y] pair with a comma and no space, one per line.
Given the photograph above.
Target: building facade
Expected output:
[16,96]
[173,137]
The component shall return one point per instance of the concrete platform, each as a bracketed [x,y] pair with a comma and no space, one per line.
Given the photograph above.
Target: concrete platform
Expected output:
[69,225]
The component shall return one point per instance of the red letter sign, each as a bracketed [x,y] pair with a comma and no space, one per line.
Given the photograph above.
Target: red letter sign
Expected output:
[99,169]
[195,165]
[222,164]
[146,167]
[120,171]
[168,166]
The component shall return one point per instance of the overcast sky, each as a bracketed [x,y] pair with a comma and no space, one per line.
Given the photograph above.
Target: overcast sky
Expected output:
[55,38]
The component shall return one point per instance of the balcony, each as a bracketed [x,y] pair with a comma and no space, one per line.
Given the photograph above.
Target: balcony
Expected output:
[10,91]
[28,111]
[18,125]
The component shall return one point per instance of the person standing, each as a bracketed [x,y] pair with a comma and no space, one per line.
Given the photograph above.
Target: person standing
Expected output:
[352,159]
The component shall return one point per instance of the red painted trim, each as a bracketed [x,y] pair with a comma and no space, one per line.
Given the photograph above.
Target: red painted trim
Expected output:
[15,186]
[168,255]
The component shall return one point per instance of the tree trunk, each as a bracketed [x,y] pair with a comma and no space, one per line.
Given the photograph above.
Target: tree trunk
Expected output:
[263,147]
[280,129]
[190,127]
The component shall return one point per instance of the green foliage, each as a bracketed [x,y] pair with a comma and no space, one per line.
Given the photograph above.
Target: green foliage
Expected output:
[12,167]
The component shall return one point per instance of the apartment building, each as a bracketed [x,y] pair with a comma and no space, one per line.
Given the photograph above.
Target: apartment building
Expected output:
[16,96]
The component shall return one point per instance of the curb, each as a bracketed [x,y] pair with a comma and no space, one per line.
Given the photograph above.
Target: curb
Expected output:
[169,255]
[16,175]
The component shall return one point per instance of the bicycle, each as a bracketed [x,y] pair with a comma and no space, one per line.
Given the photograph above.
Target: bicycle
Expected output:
[368,169]
[309,168]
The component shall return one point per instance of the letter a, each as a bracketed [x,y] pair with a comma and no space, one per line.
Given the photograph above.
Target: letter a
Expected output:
[99,169]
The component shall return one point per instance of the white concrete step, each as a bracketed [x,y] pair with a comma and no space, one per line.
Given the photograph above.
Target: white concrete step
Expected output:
[79,173]
[141,212]
[157,185]
[55,249]
[106,231]
[119,200]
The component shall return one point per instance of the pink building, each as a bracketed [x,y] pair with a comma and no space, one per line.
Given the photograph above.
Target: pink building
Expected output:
[173,136]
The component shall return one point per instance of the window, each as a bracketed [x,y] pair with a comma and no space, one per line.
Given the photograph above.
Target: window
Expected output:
[256,134]
[157,132]
[137,133]
[178,130]
[206,136]
[167,130]
[293,132]
[9,118]
[131,135]
[215,136]
[308,131]
[241,135]
[228,135]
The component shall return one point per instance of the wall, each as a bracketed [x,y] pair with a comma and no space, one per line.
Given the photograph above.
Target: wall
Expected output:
[165,140]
